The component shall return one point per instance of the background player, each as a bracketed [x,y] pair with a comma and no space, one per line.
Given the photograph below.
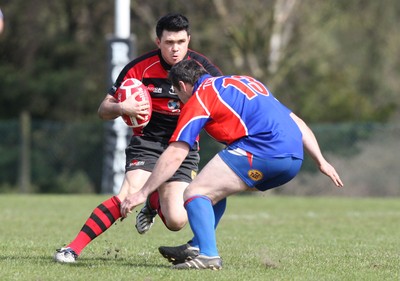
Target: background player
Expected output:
[264,148]
[173,37]
[1,21]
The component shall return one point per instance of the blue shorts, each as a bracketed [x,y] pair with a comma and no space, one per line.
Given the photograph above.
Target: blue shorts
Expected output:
[261,173]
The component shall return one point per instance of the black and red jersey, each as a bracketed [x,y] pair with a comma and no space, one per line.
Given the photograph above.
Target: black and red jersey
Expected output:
[152,70]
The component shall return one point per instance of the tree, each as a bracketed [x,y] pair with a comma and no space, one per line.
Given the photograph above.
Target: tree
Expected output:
[330,61]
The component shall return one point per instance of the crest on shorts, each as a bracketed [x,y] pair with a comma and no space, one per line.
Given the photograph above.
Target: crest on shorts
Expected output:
[255,175]
[194,174]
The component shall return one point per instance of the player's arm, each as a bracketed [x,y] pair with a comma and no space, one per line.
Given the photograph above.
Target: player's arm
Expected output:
[311,146]
[168,163]
[110,108]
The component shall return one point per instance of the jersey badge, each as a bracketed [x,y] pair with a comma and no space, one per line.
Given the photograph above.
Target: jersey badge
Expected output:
[172,91]
[135,163]
[174,105]
[153,89]
[255,175]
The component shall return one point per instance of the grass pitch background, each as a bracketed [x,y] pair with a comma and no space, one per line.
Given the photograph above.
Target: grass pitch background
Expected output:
[259,238]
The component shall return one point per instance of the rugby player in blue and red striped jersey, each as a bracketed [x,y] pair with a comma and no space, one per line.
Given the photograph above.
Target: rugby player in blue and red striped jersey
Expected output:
[264,149]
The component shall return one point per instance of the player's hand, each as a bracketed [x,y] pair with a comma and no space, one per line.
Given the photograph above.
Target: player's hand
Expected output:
[130,202]
[330,171]
[134,108]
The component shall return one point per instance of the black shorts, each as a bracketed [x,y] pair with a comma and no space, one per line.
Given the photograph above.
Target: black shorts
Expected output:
[143,152]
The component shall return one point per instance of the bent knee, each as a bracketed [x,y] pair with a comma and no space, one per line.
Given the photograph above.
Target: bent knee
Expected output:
[175,225]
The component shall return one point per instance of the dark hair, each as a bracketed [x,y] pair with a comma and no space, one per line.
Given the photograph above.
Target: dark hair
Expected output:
[188,71]
[172,22]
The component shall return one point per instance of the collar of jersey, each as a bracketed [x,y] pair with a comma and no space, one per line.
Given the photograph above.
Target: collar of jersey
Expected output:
[200,81]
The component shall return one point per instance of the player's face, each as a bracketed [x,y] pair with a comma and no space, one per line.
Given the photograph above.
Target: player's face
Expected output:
[173,45]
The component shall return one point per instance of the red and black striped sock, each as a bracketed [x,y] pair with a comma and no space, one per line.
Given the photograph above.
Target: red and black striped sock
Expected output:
[101,219]
[154,202]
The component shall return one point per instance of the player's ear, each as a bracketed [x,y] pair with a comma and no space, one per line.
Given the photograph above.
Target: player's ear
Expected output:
[158,42]
[182,86]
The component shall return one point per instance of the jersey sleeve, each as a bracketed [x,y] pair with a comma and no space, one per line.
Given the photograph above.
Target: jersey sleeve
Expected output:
[191,121]
[134,69]
[284,107]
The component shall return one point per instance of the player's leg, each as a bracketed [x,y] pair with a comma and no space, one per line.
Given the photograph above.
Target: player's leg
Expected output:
[219,210]
[101,218]
[146,216]
[171,192]
[190,250]
[169,200]
[105,214]
[215,182]
[173,212]
[227,173]
[175,218]
[142,153]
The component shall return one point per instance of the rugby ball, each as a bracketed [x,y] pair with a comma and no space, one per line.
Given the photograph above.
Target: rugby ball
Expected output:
[128,88]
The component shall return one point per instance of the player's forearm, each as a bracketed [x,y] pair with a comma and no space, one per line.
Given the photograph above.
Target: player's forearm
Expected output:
[109,109]
[311,146]
[310,142]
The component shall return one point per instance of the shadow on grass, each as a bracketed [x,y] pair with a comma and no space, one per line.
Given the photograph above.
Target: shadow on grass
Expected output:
[85,262]
[82,262]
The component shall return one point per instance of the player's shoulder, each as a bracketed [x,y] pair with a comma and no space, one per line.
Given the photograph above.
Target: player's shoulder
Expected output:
[198,57]
[145,59]
[194,54]
[138,66]
[205,62]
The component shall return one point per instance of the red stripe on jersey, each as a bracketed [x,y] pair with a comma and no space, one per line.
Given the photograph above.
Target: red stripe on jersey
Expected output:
[227,118]
[250,158]
[198,109]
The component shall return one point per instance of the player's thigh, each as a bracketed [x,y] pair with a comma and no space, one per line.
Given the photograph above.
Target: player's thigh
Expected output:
[216,181]
[133,181]
[171,200]
[141,156]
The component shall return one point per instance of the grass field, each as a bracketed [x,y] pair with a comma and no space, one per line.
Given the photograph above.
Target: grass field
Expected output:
[259,238]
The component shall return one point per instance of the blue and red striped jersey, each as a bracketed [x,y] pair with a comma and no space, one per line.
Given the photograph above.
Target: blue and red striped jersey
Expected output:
[239,111]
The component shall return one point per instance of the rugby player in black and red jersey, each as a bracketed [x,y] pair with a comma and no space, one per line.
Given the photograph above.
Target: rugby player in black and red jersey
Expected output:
[147,144]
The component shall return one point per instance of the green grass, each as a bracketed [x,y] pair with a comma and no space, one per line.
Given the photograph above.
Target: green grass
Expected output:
[259,238]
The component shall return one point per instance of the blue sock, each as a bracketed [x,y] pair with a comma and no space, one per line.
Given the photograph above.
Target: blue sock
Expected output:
[202,222]
[219,210]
